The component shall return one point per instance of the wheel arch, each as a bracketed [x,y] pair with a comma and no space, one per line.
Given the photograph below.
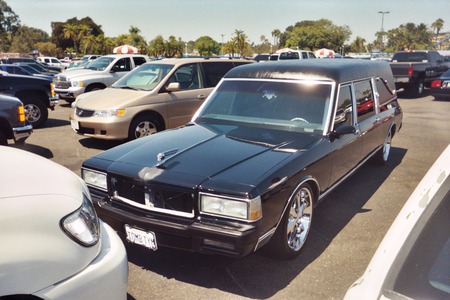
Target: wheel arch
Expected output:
[151,113]
[93,85]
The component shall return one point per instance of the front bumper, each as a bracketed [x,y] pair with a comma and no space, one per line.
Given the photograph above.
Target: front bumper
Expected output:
[110,128]
[53,101]
[197,235]
[70,93]
[105,278]
[22,133]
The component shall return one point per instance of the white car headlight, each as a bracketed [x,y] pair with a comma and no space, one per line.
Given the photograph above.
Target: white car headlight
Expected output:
[242,209]
[95,179]
[77,83]
[109,113]
[82,225]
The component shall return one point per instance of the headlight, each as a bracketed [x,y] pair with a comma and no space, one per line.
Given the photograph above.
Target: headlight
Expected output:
[82,225]
[109,113]
[95,179]
[242,209]
[77,83]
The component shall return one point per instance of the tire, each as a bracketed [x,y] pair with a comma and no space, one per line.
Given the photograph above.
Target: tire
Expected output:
[417,89]
[3,139]
[295,225]
[36,112]
[382,156]
[142,126]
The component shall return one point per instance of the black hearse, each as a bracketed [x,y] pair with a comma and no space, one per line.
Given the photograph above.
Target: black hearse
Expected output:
[262,151]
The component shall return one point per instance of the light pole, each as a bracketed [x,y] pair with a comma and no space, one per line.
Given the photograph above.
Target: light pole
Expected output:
[382,27]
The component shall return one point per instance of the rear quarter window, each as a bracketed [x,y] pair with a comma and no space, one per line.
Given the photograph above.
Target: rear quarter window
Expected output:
[214,71]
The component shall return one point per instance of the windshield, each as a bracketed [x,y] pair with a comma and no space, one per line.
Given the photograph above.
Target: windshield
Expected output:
[99,64]
[287,105]
[146,77]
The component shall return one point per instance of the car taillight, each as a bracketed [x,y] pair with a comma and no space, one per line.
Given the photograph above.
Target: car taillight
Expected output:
[410,70]
[21,113]
[436,83]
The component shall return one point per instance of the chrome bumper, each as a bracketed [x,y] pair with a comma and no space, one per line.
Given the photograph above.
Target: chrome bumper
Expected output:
[22,133]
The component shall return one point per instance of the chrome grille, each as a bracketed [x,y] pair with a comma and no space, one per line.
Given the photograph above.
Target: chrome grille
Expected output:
[152,197]
[61,82]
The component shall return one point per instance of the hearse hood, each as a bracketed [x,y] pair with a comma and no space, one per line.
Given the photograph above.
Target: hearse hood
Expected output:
[191,155]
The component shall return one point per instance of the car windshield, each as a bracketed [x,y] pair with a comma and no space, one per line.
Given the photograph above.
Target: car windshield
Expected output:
[146,77]
[287,105]
[99,64]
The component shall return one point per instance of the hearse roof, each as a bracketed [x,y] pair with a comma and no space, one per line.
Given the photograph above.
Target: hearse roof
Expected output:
[338,70]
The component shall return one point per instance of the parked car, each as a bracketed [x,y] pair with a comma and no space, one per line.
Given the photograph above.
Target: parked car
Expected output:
[13,124]
[440,87]
[156,96]
[37,95]
[53,246]
[412,261]
[296,54]
[415,70]
[23,70]
[51,61]
[97,75]
[36,68]
[269,143]
[42,66]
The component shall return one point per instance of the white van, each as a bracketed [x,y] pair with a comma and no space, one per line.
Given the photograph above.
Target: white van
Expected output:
[51,61]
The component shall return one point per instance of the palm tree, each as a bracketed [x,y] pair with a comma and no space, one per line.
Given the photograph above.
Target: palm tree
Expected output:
[437,25]
[71,32]
[276,33]
[240,40]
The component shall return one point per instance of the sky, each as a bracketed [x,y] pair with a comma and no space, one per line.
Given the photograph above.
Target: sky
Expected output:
[218,19]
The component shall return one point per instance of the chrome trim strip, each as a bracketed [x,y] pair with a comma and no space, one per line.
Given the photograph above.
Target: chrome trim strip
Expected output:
[265,236]
[155,209]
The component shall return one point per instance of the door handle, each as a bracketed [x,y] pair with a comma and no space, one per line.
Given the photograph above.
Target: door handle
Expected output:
[201,97]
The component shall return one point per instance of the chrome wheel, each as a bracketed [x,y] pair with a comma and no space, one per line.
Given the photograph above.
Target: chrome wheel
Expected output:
[32,113]
[299,218]
[144,128]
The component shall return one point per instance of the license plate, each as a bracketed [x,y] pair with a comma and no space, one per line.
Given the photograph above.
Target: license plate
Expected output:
[74,124]
[140,237]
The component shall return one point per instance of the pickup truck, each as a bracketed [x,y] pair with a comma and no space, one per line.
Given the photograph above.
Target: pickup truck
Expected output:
[13,125]
[36,94]
[97,75]
[415,70]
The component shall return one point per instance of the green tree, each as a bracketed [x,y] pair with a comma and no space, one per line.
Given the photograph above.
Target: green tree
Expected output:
[71,32]
[276,33]
[409,36]
[315,35]
[358,45]
[437,25]
[157,46]
[9,24]
[206,46]
[26,38]
[240,40]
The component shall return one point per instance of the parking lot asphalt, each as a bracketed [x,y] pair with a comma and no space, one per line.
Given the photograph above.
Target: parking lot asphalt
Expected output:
[347,226]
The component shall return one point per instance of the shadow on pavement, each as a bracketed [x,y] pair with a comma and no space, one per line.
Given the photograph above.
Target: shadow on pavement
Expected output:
[259,276]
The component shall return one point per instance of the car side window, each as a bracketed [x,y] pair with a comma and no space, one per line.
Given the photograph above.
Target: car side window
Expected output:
[122,65]
[139,61]
[344,108]
[365,105]
[188,76]
[304,55]
[214,71]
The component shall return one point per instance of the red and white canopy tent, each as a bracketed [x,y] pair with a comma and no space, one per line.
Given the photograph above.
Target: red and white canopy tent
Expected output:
[125,49]
[324,52]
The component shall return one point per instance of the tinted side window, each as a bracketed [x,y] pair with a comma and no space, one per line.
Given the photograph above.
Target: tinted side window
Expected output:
[304,55]
[138,61]
[344,109]
[364,100]
[384,90]
[122,65]
[311,55]
[214,71]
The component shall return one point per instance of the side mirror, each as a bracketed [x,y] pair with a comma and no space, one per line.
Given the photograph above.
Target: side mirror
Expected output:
[342,130]
[173,87]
